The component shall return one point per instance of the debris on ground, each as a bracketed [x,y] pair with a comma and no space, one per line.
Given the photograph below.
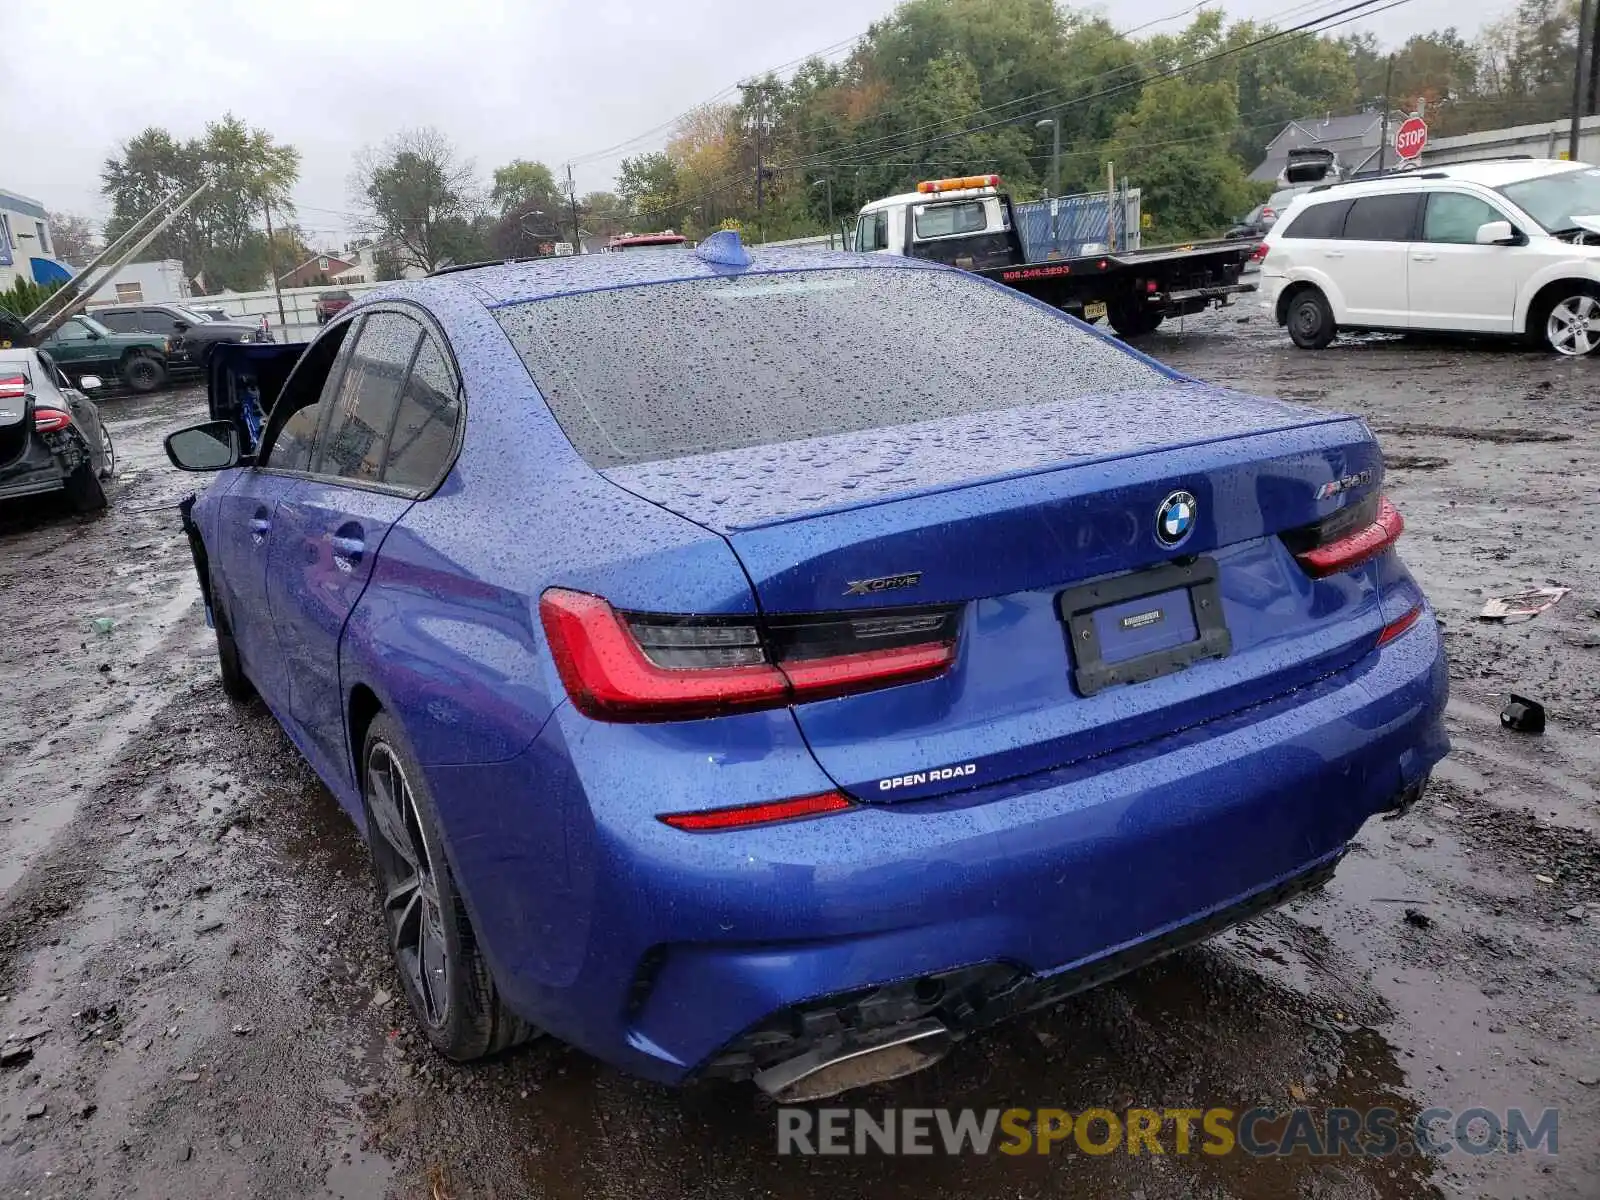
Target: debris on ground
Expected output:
[1418,918]
[1522,715]
[1521,606]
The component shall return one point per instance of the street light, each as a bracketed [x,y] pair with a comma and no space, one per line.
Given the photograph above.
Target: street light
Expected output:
[828,180]
[1055,176]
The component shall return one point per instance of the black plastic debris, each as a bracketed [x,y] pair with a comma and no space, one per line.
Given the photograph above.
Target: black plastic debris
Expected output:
[1523,715]
[1420,919]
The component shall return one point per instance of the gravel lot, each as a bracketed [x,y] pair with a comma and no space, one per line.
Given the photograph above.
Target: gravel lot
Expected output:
[189,949]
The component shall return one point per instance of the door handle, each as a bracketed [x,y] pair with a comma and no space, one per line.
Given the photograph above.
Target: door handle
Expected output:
[347,551]
[1424,258]
[1333,254]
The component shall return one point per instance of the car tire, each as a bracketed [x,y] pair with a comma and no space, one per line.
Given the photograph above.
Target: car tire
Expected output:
[236,684]
[108,454]
[1133,321]
[142,373]
[445,976]
[1310,320]
[84,491]
[1566,320]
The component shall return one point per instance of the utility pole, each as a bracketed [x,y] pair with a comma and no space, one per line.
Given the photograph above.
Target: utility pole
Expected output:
[1055,180]
[1577,80]
[1594,61]
[1383,144]
[272,266]
[572,198]
[827,181]
[761,168]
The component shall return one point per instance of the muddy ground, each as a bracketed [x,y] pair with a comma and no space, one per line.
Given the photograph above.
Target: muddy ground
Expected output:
[189,952]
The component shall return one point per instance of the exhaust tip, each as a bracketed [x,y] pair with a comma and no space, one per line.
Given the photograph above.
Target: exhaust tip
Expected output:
[855,1061]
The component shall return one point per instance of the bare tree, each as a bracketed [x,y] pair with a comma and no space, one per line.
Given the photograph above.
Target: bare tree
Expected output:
[73,239]
[422,198]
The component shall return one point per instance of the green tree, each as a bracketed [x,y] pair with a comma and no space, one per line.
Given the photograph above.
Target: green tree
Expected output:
[422,198]
[1175,146]
[521,186]
[648,184]
[218,235]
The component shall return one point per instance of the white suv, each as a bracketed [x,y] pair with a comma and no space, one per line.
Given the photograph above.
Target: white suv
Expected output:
[1508,246]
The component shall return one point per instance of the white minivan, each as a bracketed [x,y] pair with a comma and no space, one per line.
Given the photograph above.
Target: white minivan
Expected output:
[1503,246]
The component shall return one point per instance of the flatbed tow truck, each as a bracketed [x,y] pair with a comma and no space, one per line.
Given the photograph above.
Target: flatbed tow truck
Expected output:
[969,222]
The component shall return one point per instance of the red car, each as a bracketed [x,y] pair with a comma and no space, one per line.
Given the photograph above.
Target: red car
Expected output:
[641,241]
[329,304]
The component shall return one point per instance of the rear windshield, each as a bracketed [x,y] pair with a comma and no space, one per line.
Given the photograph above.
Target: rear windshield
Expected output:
[950,220]
[669,370]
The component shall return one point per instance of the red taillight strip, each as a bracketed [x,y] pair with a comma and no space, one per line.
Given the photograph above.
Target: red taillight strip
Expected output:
[609,677]
[821,678]
[48,420]
[746,815]
[1396,627]
[1355,548]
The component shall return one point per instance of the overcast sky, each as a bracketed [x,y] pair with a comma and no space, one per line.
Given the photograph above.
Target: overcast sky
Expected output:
[542,79]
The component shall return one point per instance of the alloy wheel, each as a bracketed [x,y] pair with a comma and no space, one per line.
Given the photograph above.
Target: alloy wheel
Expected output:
[410,891]
[1574,325]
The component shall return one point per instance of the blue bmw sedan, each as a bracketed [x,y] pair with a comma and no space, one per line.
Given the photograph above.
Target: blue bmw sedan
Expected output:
[780,666]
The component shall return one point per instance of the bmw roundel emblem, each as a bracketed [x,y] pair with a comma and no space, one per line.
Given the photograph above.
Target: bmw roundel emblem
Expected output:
[1175,518]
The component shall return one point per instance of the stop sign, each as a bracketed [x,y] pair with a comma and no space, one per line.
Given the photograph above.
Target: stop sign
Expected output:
[1411,137]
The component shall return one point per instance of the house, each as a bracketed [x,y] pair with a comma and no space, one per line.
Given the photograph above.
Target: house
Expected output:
[365,268]
[25,249]
[318,269]
[1354,141]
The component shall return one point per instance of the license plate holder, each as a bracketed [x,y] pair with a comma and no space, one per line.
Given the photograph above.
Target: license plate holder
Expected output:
[1108,638]
[1094,310]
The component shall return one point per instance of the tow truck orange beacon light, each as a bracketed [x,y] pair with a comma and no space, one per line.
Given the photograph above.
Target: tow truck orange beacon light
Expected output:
[956,185]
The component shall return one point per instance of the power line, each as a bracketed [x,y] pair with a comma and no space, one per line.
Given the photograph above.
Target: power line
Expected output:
[620,147]
[1315,25]
[1311,27]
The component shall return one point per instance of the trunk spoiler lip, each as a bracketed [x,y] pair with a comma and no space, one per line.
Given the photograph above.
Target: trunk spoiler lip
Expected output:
[621,476]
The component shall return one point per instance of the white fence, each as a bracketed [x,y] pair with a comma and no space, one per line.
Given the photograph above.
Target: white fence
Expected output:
[299,320]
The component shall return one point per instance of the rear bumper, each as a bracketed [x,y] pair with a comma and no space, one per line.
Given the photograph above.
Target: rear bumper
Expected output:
[34,472]
[687,942]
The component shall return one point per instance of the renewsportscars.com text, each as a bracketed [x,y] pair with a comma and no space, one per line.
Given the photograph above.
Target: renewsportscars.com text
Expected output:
[1258,1132]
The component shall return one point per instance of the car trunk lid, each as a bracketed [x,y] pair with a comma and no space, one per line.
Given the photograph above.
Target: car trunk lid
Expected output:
[1018,515]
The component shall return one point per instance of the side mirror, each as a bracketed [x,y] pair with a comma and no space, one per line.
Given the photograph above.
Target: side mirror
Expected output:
[88,383]
[93,336]
[212,446]
[181,326]
[1496,233]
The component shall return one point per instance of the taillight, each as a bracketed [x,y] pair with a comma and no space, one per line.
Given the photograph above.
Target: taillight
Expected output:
[48,420]
[665,667]
[769,812]
[1343,541]
[1269,214]
[1398,626]
[13,387]
[1259,253]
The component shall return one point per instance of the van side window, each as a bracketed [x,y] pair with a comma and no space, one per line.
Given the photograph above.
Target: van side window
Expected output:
[1325,220]
[1383,218]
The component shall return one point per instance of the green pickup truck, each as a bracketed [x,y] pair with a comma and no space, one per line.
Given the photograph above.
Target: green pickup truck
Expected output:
[83,346]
